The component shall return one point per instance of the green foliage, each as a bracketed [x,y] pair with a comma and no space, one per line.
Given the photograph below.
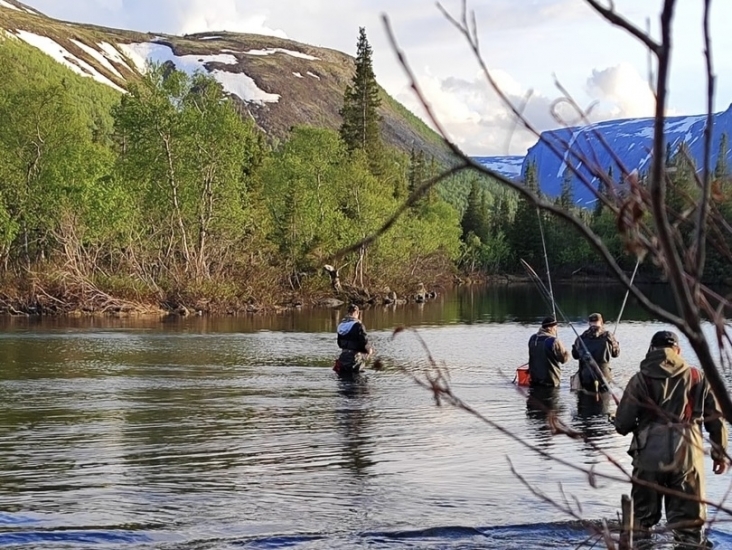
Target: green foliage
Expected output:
[721,170]
[360,129]
[185,152]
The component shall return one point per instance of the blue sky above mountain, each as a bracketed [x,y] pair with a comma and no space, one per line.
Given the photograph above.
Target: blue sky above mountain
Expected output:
[526,43]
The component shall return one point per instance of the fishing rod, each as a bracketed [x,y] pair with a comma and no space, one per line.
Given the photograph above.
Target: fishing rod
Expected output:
[546,263]
[587,355]
[627,293]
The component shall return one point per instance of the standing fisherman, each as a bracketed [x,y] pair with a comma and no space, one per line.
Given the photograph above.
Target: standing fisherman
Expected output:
[354,343]
[664,406]
[598,345]
[546,355]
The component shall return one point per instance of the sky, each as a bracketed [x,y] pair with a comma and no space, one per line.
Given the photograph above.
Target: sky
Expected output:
[528,46]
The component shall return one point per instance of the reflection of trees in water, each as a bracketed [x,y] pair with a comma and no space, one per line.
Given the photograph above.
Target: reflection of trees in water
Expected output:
[541,405]
[591,419]
[351,418]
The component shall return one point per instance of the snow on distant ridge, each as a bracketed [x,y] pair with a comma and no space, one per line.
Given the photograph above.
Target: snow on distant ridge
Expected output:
[4,4]
[99,57]
[508,166]
[63,56]
[113,54]
[238,84]
[270,51]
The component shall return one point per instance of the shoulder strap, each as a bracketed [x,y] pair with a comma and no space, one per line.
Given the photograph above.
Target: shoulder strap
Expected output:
[689,408]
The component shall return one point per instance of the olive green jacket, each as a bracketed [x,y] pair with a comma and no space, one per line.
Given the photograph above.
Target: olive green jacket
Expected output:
[657,396]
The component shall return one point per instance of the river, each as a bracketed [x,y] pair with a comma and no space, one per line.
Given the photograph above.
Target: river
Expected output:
[233,433]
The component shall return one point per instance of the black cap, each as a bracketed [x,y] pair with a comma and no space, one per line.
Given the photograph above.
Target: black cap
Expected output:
[352,308]
[548,322]
[664,339]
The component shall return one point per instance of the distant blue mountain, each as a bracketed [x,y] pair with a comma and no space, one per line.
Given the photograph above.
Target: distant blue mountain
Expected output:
[630,140]
[509,166]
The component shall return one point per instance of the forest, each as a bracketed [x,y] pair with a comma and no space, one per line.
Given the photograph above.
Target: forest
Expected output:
[167,197]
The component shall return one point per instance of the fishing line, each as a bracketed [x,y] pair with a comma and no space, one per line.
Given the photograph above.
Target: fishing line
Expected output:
[627,293]
[546,263]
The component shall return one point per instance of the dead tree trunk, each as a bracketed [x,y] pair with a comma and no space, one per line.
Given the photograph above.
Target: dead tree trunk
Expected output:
[335,280]
[626,530]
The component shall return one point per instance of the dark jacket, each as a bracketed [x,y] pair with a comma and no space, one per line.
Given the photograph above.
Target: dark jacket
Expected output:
[601,345]
[352,335]
[656,398]
[546,355]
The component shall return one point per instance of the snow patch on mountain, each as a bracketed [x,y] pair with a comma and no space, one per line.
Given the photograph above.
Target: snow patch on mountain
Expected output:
[243,86]
[98,56]
[270,51]
[508,166]
[113,54]
[63,56]
[235,83]
[4,4]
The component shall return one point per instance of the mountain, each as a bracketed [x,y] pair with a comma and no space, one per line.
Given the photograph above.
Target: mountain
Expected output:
[279,83]
[603,144]
[510,166]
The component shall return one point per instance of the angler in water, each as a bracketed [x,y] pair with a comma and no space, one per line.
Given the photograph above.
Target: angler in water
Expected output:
[354,344]
[664,406]
[546,355]
[598,345]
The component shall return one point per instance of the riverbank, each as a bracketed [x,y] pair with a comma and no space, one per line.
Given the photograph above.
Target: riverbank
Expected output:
[61,293]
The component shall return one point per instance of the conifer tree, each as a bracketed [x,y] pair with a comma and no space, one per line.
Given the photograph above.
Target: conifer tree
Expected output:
[524,234]
[475,218]
[721,168]
[566,198]
[602,189]
[360,127]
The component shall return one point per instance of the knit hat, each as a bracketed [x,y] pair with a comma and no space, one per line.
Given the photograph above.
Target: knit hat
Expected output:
[549,322]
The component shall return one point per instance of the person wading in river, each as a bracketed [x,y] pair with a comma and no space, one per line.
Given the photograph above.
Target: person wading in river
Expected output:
[546,355]
[354,343]
[664,406]
[601,346]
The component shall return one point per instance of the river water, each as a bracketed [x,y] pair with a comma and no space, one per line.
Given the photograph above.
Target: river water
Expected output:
[233,433]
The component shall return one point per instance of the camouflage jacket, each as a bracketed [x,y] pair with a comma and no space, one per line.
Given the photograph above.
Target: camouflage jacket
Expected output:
[664,395]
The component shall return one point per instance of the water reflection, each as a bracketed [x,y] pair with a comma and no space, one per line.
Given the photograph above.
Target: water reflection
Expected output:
[495,303]
[542,405]
[592,415]
[352,415]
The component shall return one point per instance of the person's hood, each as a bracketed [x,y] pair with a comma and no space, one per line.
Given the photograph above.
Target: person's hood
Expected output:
[346,325]
[546,331]
[663,363]
[594,331]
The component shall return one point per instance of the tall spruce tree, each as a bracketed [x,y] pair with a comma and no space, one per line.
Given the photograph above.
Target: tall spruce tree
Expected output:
[360,127]
[721,168]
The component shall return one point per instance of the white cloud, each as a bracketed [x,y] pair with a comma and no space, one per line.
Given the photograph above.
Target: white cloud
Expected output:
[621,91]
[224,15]
[477,119]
